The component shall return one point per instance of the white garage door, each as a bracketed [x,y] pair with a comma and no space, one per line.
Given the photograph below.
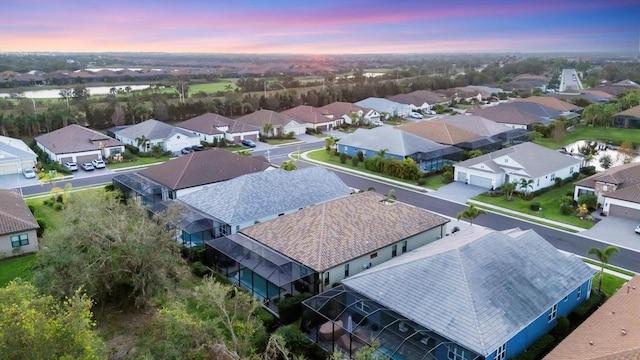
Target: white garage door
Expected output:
[8,169]
[624,212]
[480,181]
[462,176]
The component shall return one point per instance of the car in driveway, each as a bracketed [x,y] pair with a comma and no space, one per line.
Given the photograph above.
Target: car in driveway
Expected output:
[186,150]
[87,166]
[98,164]
[71,166]
[638,229]
[198,148]
[249,143]
[29,173]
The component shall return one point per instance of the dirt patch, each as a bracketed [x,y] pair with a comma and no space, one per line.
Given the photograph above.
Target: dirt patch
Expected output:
[121,330]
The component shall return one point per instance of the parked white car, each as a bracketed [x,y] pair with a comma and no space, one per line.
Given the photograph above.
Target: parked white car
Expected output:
[98,164]
[30,174]
[415,115]
[638,229]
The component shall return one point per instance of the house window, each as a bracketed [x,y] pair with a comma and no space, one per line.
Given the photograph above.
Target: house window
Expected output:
[553,312]
[553,177]
[566,298]
[374,255]
[362,306]
[455,353]
[501,353]
[19,240]
[571,170]
[404,247]
[346,270]
[579,294]
[538,182]
[394,250]
[326,279]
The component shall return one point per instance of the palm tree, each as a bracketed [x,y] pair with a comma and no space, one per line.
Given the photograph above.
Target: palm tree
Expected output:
[471,213]
[603,255]
[142,140]
[267,128]
[508,189]
[525,185]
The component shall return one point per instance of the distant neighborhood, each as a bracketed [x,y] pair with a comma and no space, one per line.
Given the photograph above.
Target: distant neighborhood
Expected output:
[350,269]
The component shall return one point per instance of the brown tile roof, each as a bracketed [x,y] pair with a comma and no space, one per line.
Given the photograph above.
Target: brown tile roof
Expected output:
[551,102]
[306,114]
[628,193]
[339,108]
[611,333]
[634,111]
[15,216]
[439,132]
[75,138]
[507,115]
[206,123]
[622,176]
[329,234]
[203,167]
[261,117]
[429,97]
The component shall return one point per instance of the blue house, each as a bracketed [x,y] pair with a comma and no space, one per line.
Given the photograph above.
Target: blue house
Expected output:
[429,155]
[482,294]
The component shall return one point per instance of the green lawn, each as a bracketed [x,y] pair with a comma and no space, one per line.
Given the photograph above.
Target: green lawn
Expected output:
[594,262]
[139,161]
[280,141]
[600,133]
[212,88]
[548,201]
[324,156]
[48,213]
[610,283]
[16,267]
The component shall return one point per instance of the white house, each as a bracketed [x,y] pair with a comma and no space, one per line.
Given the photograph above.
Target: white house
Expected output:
[15,155]
[155,132]
[386,106]
[523,161]
[214,126]
[78,144]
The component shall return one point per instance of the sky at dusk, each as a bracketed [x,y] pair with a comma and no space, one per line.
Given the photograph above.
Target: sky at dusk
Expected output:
[319,27]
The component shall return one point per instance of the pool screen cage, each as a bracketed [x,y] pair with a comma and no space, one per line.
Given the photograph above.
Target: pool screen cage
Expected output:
[342,320]
[257,268]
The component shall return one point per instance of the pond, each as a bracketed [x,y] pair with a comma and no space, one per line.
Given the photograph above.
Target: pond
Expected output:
[603,149]
[55,93]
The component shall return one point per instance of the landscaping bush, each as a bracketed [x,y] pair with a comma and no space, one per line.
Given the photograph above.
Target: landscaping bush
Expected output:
[371,164]
[32,209]
[562,329]
[343,158]
[195,253]
[270,322]
[538,349]
[575,175]
[569,194]
[360,155]
[109,188]
[199,269]
[566,209]
[355,161]
[290,309]
[588,170]
[422,181]
[584,310]
[220,278]
[43,226]
[447,176]
[588,199]
[534,206]
[558,182]
[294,338]
[58,206]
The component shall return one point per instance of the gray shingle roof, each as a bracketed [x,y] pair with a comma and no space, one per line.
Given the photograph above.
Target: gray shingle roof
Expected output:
[529,156]
[251,197]
[75,138]
[15,216]
[153,129]
[395,141]
[332,233]
[14,149]
[476,124]
[479,288]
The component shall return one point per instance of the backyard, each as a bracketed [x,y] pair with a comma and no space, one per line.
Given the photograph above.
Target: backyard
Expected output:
[549,205]
[600,133]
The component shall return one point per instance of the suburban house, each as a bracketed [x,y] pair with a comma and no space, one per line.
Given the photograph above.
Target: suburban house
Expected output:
[313,118]
[226,207]
[617,189]
[518,115]
[552,102]
[15,155]
[612,332]
[428,155]
[487,128]
[313,249]
[180,176]
[481,294]
[422,100]
[280,123]
[18,226]
[512,164]
[343,112]
[629,118]
[213,126]
[527,82]
[149,133]
[78,144]
[386,107]
[449,134]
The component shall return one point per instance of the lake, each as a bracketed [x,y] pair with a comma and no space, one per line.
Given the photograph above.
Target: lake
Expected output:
[93,90]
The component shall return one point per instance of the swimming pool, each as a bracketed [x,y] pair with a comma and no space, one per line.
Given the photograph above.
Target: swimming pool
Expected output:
[388,352]
[259,284]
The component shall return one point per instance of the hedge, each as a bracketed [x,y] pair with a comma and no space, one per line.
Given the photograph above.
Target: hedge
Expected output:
[290,309]
[538,349]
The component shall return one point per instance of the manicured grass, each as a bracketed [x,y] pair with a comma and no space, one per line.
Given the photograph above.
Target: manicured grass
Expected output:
[13,268]
[599,133]
[139,161]
[610,283]
[435,181]
[48,213]
[324,156]
[613,268]
[280,141]
[548,201]
[211,88]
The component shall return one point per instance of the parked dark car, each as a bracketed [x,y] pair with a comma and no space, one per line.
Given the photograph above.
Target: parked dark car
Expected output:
[249,143]
[198,148]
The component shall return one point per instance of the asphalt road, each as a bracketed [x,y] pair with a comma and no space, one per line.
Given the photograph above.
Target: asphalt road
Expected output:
[562,240]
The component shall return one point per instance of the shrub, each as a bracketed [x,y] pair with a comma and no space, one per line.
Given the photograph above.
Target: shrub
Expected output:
[447,176]
[109,187]
[371,164]
[538,349]
[290,309]
[566,209]
[563,327]
[32,209]
[569,194]
[534,206]
[355,161]
[588,170]
[269,321]
[360,155]
[199,269]
[195,253]
[43,226]
[294,338]
[343,158]
[584,310]
[590,200]
[58,206]
[220,278]
[558,182]
[422,181]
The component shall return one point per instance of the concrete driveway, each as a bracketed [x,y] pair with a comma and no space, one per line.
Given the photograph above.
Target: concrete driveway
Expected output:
[458,192]
[615,230]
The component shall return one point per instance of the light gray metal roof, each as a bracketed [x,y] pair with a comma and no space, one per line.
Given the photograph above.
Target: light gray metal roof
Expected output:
[383,105]
[479,288]
[153,129]
[395,141]
[254,196]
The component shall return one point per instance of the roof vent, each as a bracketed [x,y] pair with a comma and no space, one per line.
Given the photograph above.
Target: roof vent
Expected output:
[623,332]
